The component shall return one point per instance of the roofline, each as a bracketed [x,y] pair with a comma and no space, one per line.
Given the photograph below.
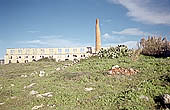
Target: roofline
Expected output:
[50,47]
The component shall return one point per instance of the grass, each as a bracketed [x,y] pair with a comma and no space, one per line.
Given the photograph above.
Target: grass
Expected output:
[117,92]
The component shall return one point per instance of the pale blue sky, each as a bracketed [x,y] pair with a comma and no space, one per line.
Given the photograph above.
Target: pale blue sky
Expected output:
[71,23]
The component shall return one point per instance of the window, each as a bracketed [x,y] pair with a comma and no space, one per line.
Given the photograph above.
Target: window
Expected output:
[42,51]
[27,51]
[17,61]
[81,49]
[9,61]
[51,51]
[67,50]
[74,50]
[32,56]
[89,49]
[59,50]
[19,51]
[26,56]
[34,51]
[12,51]
[11,57]
[19,56]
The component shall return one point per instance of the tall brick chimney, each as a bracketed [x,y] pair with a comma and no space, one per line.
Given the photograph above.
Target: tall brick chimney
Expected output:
[98,39]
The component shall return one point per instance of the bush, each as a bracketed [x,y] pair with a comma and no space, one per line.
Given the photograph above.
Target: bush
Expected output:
[115,52]
[46,59]
[155,46]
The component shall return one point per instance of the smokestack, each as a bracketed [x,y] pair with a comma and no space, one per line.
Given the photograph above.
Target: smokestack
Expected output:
[98,40]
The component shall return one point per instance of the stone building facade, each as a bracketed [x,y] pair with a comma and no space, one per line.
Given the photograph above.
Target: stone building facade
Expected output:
[25,55]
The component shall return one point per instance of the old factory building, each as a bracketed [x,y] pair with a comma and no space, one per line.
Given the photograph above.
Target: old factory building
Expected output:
[25,55]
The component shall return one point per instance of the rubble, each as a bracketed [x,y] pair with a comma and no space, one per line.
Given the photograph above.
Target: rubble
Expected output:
[33,92]
[116,70]
[29,86]
[88,89]
[48,94]
[24,76]
[144,97]
[37,107]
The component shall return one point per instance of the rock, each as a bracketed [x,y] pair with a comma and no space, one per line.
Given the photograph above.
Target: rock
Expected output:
[88,89]
[51,105]
[144,97]
[116,66]
[48,94]
[37,107]
[14,97]
[58,69]
[24,76]
[29,86]
[131,70]
[116,70]
[110,72]
[2,103]
[32,74]
[42,73]
[1,86]
[12,85]
[33,92]
[166,99]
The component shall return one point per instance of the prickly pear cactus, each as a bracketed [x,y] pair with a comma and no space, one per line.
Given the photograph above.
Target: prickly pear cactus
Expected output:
[115,52]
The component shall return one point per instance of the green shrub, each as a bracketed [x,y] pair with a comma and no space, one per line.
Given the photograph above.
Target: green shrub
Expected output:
[115,52]
[155,46]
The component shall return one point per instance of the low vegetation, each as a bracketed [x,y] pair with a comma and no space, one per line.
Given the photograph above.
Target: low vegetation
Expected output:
[85,85]
[115,52]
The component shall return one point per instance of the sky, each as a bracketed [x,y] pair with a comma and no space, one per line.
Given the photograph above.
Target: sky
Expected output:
[71,23]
